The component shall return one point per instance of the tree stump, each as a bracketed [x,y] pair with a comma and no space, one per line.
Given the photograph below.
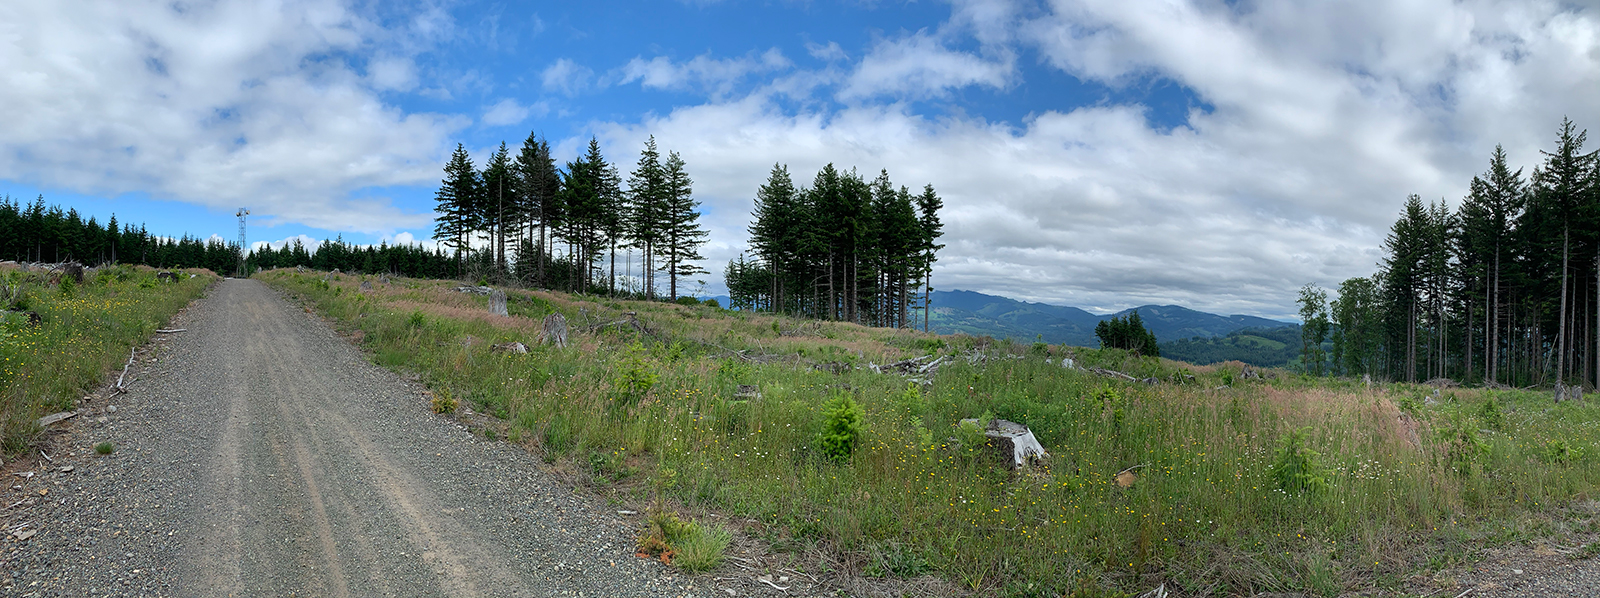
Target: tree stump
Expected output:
[366,285]
[1013,441]
[73,270]
[555,330]
[497,303]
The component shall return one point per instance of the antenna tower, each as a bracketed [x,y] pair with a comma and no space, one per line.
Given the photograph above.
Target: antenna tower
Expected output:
[242,247]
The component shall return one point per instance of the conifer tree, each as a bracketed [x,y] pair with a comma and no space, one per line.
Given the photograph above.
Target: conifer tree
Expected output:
[683,235]
[457,204]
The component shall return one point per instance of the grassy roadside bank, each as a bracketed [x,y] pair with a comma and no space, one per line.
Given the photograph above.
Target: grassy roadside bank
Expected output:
[1243,485]
[84,331]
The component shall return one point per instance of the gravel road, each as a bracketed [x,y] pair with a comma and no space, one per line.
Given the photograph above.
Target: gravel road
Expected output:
[258,454]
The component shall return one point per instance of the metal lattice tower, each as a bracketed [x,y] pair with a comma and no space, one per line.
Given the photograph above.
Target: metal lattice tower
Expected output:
[242,247]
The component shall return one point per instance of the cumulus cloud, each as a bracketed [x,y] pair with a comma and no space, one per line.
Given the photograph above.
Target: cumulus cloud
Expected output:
[222,105]
[1323,120]
[566,77]
[920,65]
[714,76]
[509,112]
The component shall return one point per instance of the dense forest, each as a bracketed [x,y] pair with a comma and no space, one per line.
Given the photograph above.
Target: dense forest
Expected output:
[842,249]
[563,227]
[1267,347]
[35,232]
[1502,290]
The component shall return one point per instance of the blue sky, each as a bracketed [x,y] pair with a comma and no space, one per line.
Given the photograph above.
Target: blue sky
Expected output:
[1097,153]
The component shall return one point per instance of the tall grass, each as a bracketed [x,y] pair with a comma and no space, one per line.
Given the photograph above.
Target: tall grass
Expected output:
[85,331]
[1405,481]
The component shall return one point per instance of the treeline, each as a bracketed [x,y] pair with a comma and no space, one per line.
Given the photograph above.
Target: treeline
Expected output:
[562,224]
[842,249]
[1503,290]
[1265,347]
[403,260]
[38,233]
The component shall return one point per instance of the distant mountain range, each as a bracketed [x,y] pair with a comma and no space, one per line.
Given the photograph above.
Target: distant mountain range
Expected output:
[1185,334]
[980,314]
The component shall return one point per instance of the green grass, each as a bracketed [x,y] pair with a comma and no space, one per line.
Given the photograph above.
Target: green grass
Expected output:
[105,448]
[1366,494]
[86,331]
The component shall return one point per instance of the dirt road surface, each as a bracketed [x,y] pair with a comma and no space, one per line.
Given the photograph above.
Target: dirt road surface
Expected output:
[258,454]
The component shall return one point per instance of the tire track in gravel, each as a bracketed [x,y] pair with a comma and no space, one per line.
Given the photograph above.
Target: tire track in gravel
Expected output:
[261,455]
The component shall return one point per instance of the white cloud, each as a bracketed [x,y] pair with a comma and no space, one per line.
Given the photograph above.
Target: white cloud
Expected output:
[1321,121]
[509,112]
[221,105]
[715,76]
[830,53]
[566,77]
[920,65]
[397,74]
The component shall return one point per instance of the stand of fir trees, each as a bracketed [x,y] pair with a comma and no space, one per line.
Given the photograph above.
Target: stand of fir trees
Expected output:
[35,232]
[566,227]
[1129,333]
[1503,290]
[842,249]
[38,233]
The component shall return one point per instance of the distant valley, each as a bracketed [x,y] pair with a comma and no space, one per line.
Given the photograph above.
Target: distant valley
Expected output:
[1185,334]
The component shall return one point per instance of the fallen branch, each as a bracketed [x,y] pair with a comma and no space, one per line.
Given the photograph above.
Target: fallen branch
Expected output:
[172,331]
[125,367]
[1113,374]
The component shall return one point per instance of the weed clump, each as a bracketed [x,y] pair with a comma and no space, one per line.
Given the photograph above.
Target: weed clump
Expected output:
[443,403]
[841,428]
[1558,451]
[105,448]
[1297,469]
[416,320]
[685,544]
[1492,416]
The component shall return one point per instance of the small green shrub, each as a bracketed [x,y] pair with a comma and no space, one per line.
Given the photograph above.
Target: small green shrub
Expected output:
[1296,468]
[444,403]
[713,303]
[1558,451]
[416,320]
[635,377]
[105,448]
[688,301]
[68,288]
[1462,446]
[970,432]
[841,428]
[1492,416]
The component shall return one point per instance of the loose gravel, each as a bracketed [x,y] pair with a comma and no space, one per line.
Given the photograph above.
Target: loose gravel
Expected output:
[258,454]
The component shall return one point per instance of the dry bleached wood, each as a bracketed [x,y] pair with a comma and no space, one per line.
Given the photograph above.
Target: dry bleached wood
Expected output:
[56,417]
[497,303]
[555,330]
[125,367]
[172,331]
[1014,441]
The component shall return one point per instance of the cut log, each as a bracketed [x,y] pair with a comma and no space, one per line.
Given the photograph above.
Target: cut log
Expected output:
[747,392]
[1013,441]
[497,303]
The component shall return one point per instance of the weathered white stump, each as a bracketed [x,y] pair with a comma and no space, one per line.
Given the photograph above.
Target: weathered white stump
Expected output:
[497,303]
[555,330]
[1014,441]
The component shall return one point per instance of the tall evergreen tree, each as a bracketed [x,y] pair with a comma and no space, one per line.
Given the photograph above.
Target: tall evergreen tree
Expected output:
[683,235]
[457,204]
